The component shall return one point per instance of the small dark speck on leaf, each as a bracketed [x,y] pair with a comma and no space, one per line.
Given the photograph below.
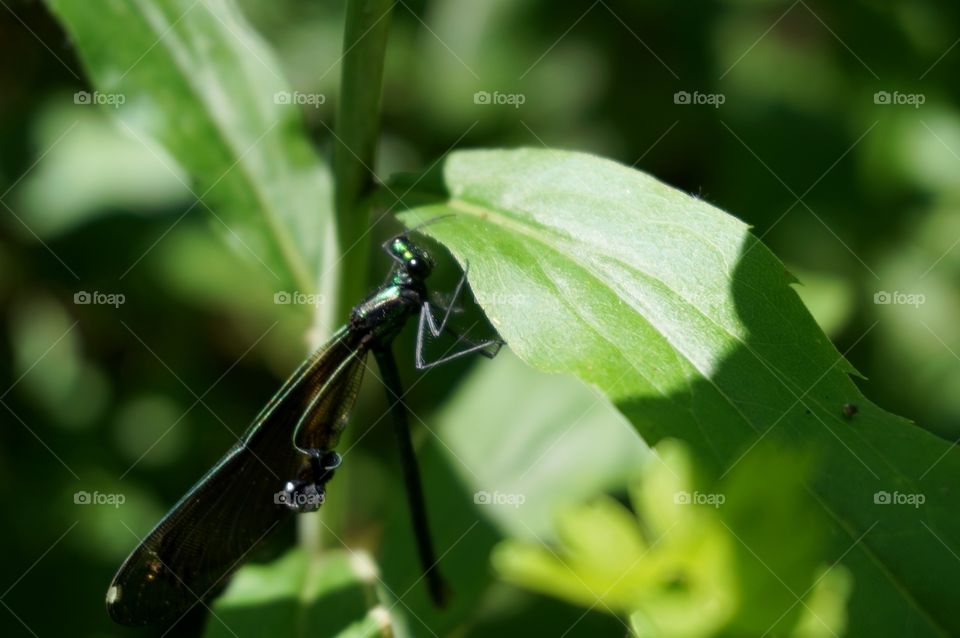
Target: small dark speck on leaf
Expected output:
[849,410]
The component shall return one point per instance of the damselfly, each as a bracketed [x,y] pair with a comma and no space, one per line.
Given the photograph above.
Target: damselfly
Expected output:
[285,459]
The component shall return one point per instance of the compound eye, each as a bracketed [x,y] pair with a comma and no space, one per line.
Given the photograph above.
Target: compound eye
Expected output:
[418,267]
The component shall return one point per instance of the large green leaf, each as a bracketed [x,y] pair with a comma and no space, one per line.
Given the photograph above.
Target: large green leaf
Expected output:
[689,325]
[197,79]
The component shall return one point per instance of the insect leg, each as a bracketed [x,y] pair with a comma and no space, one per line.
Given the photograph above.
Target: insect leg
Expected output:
[488,348]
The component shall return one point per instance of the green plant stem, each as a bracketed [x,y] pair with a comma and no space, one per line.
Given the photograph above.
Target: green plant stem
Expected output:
[344,273]
[356,136]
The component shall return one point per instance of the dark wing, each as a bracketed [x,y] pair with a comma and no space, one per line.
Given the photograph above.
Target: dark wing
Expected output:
[208,533]
[323,420]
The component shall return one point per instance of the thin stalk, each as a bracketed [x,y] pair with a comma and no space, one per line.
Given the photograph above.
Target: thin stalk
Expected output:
[355,139]
[344,277]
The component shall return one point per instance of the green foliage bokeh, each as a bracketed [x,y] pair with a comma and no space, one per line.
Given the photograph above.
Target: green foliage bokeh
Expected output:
[859,198]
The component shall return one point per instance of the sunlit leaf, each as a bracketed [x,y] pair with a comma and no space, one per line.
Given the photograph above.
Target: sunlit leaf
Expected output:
[331,595]
[91,166]
[196,78]
[694,563]
[678,581]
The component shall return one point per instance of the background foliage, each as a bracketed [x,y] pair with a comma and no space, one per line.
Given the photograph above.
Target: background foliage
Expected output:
[859,198]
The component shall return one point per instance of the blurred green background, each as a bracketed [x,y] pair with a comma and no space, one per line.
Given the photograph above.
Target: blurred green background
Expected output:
[832,128]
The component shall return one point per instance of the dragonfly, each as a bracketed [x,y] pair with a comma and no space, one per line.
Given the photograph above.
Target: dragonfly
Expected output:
[283,462]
